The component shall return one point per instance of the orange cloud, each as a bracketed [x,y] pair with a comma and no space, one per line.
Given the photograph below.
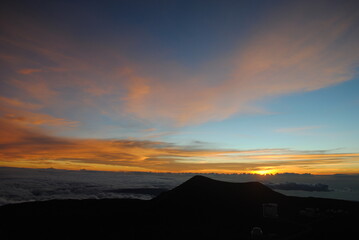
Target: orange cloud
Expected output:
[38,119]
[22,146]
[39,90]
[16,111]
[26,71]
[16,103]
[150,130]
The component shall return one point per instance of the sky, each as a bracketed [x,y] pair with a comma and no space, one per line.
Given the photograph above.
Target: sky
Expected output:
[180,86]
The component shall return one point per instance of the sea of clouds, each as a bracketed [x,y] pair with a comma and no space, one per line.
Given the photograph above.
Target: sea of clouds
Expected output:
[22,185]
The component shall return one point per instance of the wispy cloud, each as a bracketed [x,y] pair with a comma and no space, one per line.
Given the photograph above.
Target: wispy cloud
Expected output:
[149,130]
[30,147]
[26,71]
[39,119]
[16,103]
[17,111]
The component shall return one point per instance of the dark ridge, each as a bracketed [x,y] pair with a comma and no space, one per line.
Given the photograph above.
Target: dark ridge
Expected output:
[200,188]
[144,191]
[71,207]
[200,208]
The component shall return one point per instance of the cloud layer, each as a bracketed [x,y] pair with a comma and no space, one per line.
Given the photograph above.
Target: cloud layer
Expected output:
[21,185]
[318,187]
[24,146]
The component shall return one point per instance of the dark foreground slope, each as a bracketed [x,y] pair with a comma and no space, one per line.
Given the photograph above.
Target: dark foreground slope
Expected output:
[200,208]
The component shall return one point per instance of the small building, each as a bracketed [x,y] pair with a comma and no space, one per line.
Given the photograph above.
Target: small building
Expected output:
[270,210]
[256,233]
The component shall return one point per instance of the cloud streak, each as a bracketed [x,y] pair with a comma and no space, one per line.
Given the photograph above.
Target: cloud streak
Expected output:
[23,146]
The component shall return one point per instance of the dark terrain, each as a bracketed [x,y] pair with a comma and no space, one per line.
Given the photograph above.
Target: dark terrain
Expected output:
[200,208]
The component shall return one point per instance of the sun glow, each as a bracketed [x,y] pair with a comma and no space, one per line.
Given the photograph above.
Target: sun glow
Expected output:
[264,172]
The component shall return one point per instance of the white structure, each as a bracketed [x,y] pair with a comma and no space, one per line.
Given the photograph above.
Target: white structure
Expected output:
[270,210]
[256,233]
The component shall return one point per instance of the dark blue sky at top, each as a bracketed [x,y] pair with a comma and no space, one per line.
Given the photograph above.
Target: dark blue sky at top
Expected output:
[188,31]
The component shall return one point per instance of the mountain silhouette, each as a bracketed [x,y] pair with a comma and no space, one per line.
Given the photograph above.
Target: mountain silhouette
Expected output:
[206,190]
[200,208]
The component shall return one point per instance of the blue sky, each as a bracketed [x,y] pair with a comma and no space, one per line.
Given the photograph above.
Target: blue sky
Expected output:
[322,119]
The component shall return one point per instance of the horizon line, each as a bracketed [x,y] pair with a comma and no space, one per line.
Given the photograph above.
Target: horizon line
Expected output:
[184,172]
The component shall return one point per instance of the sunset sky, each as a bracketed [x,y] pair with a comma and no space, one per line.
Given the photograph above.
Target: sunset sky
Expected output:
[180,86]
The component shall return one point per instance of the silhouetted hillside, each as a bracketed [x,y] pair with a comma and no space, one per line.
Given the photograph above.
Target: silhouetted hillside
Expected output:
[205,190]
[200,208]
